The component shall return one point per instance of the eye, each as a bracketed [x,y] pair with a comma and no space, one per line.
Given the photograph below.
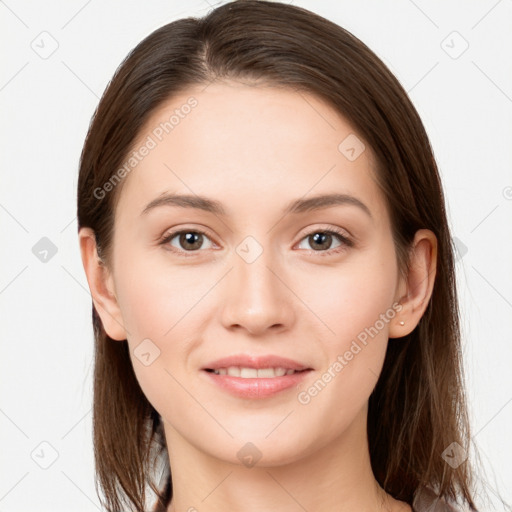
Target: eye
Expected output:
[188,239]
[321,238]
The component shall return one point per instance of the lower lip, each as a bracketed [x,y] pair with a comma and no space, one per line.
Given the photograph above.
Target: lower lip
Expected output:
[257,387]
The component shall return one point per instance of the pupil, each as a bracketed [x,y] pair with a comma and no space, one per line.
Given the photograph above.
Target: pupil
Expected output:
[188,238]
[321,237]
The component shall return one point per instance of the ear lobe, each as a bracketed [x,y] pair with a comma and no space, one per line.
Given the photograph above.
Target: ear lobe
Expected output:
[415,291]
[101,286]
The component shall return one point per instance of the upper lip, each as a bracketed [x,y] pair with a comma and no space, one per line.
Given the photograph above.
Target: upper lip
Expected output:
[248,361]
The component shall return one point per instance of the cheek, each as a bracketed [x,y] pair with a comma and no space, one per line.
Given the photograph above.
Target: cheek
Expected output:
[161,309]
[356,304]
[352,297]
[156,299]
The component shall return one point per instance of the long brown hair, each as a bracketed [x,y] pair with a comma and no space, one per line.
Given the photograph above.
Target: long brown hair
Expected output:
[418,407]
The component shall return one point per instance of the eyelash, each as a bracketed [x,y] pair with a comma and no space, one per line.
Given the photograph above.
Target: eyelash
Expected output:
[332,231]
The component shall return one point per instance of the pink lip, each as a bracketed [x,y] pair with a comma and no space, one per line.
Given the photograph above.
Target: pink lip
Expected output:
[246,361]
[258,387]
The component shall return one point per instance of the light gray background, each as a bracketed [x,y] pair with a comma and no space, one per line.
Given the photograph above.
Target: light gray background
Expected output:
[47,101]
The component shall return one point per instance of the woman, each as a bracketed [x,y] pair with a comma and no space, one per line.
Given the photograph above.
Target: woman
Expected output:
[263,230]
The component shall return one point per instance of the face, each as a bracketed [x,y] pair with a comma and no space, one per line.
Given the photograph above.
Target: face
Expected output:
[317,286]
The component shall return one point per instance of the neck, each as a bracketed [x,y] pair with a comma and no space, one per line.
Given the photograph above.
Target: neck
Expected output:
[337,477]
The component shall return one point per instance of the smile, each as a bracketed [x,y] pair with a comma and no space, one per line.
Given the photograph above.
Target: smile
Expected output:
[253,373]
[255,383]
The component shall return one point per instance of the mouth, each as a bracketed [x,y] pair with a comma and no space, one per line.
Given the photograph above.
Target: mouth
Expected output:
[255,383]
[255,373]
[255,376]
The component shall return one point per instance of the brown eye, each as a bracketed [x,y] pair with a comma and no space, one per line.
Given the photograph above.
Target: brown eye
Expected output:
[188,240]
[321,241]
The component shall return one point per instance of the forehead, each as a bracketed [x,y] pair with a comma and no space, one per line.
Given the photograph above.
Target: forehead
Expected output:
[248,146]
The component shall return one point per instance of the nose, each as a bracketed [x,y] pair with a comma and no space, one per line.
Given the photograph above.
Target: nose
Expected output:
[257,295]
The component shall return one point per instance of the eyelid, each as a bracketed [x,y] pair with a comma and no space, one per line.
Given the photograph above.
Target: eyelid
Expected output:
[199,228]
[346,239]
[172,233]
[320,228]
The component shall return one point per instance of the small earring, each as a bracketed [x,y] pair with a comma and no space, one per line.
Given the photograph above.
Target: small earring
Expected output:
[402,323]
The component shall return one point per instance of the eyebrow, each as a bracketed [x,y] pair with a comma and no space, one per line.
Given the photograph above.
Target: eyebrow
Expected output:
[294,207]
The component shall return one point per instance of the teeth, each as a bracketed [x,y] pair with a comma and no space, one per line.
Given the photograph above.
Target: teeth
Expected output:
[253,373]
[266,372]
[245,373]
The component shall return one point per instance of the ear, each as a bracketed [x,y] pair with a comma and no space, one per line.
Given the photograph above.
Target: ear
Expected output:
[414,291]
[101,285]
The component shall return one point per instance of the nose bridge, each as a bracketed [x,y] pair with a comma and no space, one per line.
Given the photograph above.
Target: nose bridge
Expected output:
[257,298]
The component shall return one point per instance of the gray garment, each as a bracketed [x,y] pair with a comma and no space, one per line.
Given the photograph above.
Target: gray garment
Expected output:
[426,500]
